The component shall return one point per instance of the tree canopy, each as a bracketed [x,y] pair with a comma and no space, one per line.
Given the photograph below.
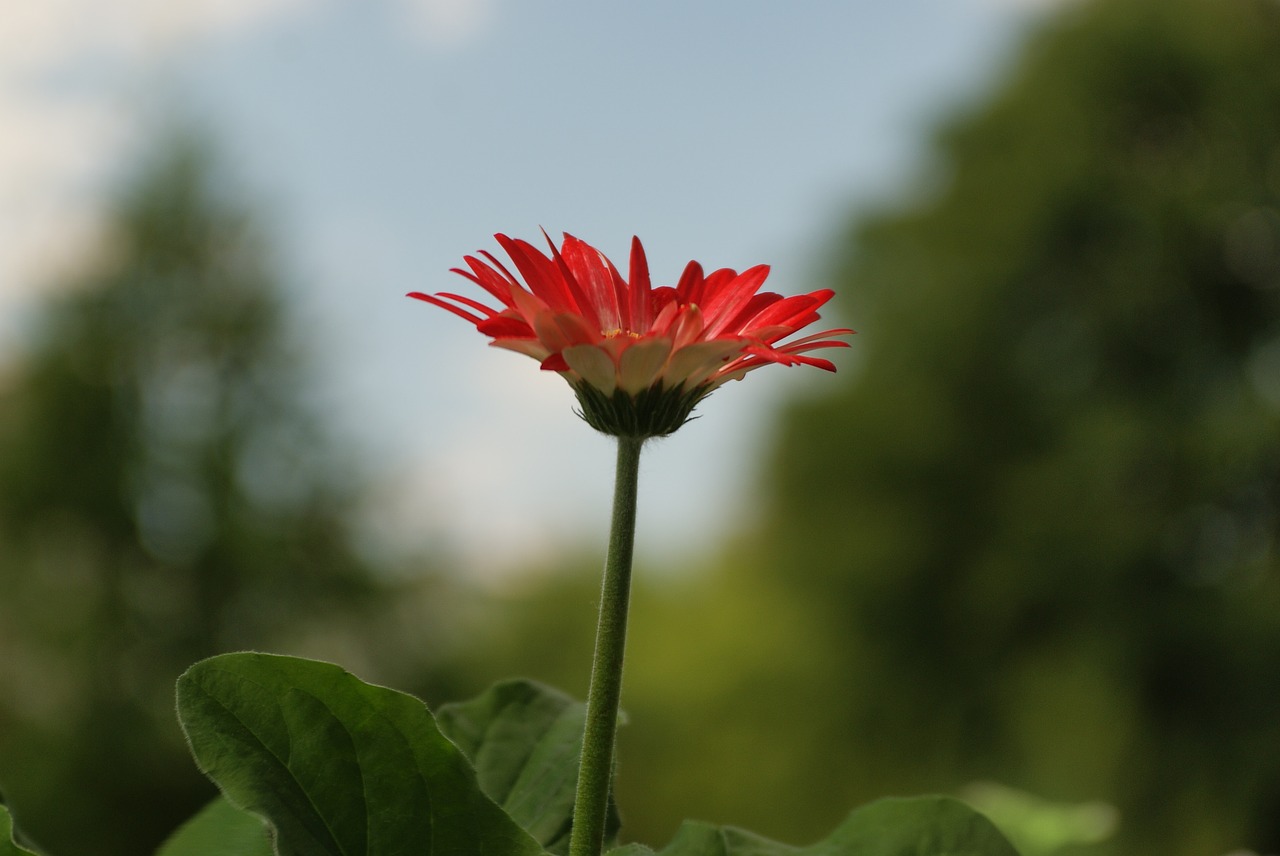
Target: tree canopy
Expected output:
[1041,520]
[166,495]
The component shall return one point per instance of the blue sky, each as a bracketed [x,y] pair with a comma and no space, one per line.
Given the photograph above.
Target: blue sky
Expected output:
[385,139]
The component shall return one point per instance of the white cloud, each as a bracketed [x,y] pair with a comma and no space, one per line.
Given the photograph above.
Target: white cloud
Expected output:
[59,141]
[37,37]
[47,156]
[448,23]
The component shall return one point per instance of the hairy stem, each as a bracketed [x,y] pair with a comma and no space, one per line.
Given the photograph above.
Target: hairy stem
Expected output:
[595,775]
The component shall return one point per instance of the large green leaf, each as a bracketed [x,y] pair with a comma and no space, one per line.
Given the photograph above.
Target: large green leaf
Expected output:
[219,829]
[8,844]
[919,826]
[338,767]
[524,740]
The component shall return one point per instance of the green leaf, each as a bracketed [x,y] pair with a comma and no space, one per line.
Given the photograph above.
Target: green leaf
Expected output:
[916,826]
[1038,826]
[9,845]
[695,838]
[524,740]
[919,826]
[219,829]
[338,767]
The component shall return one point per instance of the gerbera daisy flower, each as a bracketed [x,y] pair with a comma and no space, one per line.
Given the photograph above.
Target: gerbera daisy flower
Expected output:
[639,358]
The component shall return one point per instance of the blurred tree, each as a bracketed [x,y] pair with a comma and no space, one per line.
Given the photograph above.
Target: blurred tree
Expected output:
[1039,522]
[1032,536]
[164,495]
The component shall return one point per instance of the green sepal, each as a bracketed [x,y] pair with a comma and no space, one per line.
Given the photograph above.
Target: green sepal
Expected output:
[653,412]
[336,766]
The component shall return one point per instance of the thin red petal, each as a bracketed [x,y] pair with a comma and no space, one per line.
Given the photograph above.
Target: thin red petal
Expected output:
[641,301]
[493,260]
[789,311]
[813,338]
[580,296]
[714,285]
[689,288]
[723,307]
[506,327]
[487,279]
[753,308]
[623,293]
[591,271]
[540,274]
[488,311]
[435,301]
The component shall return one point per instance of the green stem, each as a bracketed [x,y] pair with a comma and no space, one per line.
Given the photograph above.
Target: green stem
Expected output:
[595,773]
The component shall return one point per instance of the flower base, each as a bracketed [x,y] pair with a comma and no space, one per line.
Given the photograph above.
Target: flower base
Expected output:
[654,412]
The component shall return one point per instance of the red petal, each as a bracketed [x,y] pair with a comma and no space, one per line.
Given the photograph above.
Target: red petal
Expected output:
[560,330]
[506,327]
[789,311]
[788,359]
[486,279]
[497,281]
[580,296]
[555,363]
[500,267]
[467,301]
[723,307]
[812,340]
[689,288]
[715,283]
[641,302]
[591,270]
[688,327]
[435,301]
[666,312]
[539,273]
[624,296]
[753,308]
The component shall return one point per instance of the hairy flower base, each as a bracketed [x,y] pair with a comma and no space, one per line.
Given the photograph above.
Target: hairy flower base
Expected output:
[653,412]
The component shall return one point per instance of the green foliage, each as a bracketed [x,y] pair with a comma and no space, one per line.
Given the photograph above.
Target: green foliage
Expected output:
[9,845]
[524,740]
[337,766]
[1039,827]
[728,676]
[1039,522]
[220,829]
[919,826]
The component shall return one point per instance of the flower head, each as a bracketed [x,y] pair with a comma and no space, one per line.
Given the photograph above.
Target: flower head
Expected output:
[639,358]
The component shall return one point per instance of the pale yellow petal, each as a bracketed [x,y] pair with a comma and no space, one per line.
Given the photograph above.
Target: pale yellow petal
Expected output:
[528,347]
[641,363]
[692,365]
[594,365]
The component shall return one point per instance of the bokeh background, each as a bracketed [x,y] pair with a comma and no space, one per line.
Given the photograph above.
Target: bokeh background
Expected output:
[1021,548]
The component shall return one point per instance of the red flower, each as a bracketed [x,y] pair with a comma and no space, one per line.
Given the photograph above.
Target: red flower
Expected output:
[638,357]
